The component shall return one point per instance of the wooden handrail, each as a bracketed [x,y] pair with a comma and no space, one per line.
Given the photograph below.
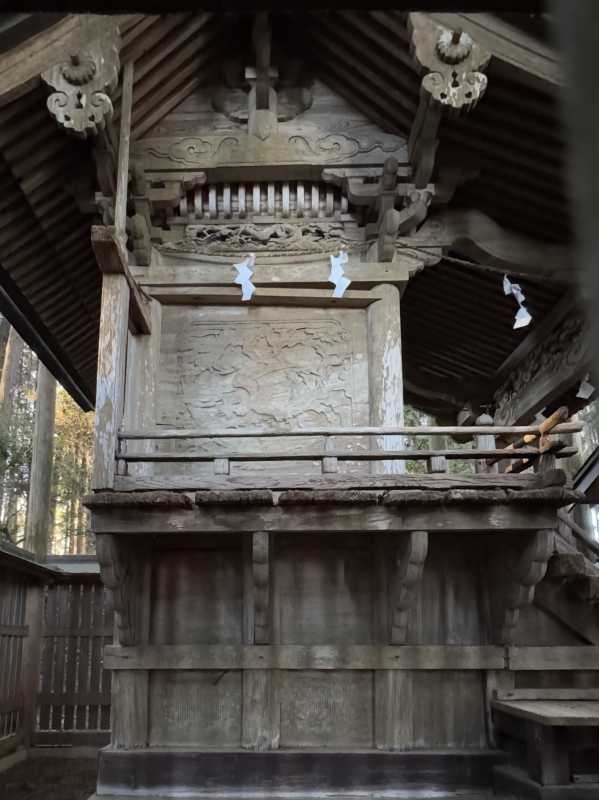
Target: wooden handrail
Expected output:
[407,430]
[343,455]
[578,532]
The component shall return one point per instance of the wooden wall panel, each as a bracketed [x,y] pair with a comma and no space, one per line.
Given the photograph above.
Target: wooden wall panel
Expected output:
[324,590]
[326,709]
[202,709]
[197,597]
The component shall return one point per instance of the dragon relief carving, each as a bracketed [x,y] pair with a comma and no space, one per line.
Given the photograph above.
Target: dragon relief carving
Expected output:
[255,373]
[312,237]
[563,349]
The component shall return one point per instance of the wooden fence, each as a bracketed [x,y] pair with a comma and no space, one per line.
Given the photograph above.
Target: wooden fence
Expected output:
[73,703]
[13,632]
[53,628]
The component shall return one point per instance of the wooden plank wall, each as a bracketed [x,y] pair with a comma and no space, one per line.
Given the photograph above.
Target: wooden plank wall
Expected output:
[13,632]
[74,689]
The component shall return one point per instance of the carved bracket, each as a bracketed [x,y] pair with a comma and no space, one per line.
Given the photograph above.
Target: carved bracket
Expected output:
[80,102]
[261,576]
[115,571]
[528,571]
[453,84]
[410,557]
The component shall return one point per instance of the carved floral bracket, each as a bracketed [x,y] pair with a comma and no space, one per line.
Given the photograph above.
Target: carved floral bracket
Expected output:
[82,83]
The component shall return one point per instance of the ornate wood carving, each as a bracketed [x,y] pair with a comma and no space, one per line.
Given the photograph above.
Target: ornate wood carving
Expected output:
[529,570]
[410,557]
[140,235]
[553,366]
[80,102]
[116,574]
[453,83]
[286,146]
[261,576]
[453,63]
[311,237]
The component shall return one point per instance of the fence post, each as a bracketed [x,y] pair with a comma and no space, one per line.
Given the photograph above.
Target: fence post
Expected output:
[34,612]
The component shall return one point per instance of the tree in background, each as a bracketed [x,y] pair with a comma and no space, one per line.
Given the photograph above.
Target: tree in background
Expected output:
[73,443]
[72,452]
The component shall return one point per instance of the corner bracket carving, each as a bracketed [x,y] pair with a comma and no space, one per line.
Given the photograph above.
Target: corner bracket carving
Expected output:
[410,557]
[80,102]
[529,570]
[116,574]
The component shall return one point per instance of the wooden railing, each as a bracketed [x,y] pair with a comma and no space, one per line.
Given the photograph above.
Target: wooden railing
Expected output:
[532,443]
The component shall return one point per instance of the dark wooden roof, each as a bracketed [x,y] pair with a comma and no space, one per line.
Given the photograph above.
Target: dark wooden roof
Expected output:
[457,324]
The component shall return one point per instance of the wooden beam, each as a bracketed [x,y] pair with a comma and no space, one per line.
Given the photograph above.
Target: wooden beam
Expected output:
[122,180]
[537,336]
[314,274]
[477,236]
[21,67]
[112,259]
[321,657]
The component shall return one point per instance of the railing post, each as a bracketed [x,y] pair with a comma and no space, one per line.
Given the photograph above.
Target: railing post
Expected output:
[329,463]
[438,463]
[484,441]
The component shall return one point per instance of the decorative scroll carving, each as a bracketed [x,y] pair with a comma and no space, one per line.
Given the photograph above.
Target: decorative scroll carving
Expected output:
[80,102]
[561,355]
[410,558]
[313,237]
[453,62]
[241,149]
[529,570]
[115,571]
[261,575]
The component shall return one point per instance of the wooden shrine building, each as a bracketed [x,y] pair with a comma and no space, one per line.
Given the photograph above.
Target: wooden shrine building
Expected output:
[247,241]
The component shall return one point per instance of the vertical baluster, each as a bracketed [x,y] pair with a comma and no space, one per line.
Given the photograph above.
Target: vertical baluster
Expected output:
[484,442]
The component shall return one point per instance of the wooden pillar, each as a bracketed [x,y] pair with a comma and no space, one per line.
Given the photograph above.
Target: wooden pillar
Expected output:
[385,376]
[260,712]
[37,528]
[393,688]
[112,351]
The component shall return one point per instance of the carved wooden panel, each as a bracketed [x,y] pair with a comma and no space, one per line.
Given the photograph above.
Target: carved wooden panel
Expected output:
[330,132]
[265,367]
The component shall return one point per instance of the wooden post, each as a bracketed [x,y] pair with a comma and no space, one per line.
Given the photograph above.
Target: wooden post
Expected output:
[385,372]
[112,351]
[37,527]
[122,180]
[484,442]
[34,609]
[393,716]
[438,463]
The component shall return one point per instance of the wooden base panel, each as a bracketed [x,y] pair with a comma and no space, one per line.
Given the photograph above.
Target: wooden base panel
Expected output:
[514,782]
[171,773]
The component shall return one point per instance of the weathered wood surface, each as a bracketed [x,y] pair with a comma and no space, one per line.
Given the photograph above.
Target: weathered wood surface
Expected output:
[122,179]
[347,517]
[112,258]
[553,712]
[340,481]
[112,350]
[312,274]
[357,430]
[554,657]
[262,296]
[304,657]
[344,455]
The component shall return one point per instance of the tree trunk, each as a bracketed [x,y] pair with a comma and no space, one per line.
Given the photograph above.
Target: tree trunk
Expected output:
[40,485]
